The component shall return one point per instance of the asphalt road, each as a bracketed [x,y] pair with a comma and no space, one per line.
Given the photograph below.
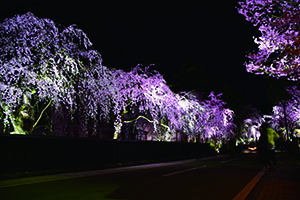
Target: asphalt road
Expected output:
[214,178]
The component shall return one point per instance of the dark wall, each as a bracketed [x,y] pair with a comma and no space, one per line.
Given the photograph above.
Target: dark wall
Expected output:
[27,153]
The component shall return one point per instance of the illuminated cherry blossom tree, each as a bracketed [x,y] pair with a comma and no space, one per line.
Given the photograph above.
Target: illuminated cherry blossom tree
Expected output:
[249,123]
[205,121]
[46,66]
[40,65]
[279,43]
[192,115]
[218,121]
[286,115]
[145,91]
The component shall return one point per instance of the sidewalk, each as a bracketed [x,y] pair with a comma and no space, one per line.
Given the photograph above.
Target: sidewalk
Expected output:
[283,182]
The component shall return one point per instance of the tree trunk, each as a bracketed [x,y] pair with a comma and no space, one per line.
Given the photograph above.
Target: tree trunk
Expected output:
[17,123]
[22,121]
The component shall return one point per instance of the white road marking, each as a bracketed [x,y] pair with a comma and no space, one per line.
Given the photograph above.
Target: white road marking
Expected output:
[186,170]
[57,177]
[246,190]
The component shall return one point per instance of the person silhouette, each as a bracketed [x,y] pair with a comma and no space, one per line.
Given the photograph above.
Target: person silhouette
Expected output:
[266,145]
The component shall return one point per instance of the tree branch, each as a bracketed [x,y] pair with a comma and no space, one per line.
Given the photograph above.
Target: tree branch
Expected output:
[34,125]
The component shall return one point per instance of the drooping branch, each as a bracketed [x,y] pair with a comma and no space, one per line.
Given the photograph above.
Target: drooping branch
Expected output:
[40,116]
[151,121]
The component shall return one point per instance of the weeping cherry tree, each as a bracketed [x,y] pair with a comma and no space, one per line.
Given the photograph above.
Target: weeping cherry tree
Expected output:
[286,115]
[40,65]
[145,91]
[218,122]
[46,66]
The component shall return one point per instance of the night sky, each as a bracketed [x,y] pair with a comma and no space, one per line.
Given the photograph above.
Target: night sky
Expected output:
[197,47]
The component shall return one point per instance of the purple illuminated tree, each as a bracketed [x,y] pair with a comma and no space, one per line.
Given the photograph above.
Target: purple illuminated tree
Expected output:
[170,113]
[46,66]
[93,96]
[250,119]
[40,67]
[293,105]
[192,112]
[218,121]
[145,92]
[205,121]
[279,43]
[286,115]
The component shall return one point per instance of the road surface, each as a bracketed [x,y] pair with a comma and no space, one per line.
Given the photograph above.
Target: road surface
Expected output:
[222,177]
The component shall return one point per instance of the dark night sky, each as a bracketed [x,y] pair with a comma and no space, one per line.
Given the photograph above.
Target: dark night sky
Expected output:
[199,47]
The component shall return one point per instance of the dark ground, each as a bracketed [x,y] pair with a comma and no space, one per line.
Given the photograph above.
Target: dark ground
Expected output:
[221,177]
